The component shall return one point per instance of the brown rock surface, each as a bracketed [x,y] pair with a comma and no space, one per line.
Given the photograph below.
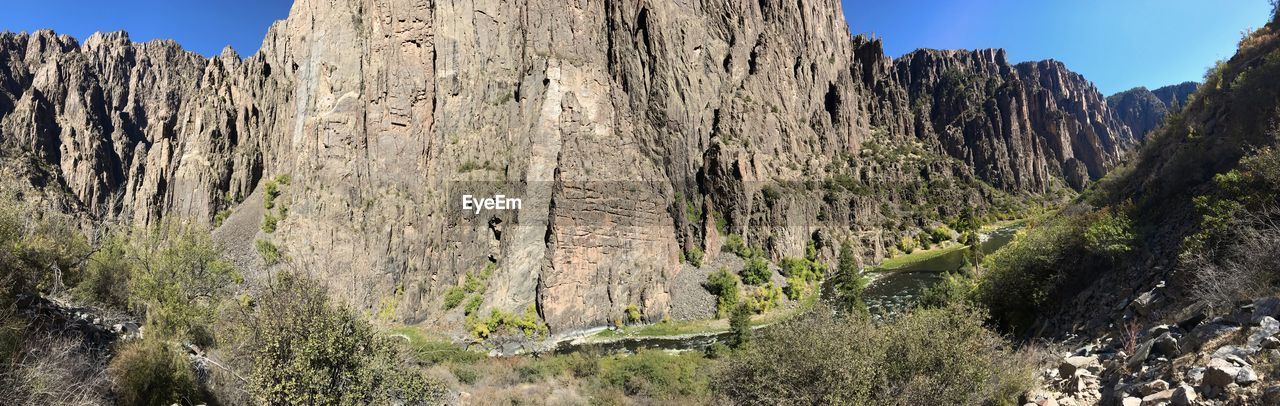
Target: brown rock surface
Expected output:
[623,126]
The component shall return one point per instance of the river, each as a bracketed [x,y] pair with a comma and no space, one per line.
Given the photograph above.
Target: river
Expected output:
[890,291]
[896,289]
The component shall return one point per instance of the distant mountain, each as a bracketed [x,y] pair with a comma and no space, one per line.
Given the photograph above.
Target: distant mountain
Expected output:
[1144,110]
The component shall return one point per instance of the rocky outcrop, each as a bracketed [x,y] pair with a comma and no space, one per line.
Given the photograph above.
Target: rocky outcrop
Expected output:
[1144,110]
[1019,126]
[1190,362]
[631,131]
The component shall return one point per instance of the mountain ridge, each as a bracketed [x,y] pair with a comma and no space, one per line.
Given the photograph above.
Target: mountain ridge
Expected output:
[623,132]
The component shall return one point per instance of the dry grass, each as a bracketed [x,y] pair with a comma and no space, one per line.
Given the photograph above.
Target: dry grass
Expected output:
[1246,267]
[51,370]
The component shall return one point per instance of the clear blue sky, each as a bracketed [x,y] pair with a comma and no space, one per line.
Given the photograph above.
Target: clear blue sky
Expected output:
[1118,44]
[203,26]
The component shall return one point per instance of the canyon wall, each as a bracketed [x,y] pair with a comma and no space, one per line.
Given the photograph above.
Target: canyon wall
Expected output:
[633,131]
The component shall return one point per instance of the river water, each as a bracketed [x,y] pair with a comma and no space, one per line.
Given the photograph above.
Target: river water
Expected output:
[889,292]
[895,290]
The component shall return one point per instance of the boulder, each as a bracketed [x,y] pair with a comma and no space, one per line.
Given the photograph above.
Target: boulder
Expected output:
[1270,343]
[1158,398]
[1155,386]
[1184,395]
[1207,332]
[1267,327]
[1265,308]
[1157,330]
[1071,365]
[1141,354]
[1246,376]
[1220,373]
[1131,401]
[1166,345]
[1192,321]
[1143,304]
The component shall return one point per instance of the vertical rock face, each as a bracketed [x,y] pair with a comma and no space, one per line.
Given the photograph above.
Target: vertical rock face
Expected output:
[1018,126]
[629,129]
[1144,110]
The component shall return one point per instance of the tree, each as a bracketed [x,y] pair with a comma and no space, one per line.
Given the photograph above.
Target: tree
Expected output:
[740,326]
[849,283]
[724,285]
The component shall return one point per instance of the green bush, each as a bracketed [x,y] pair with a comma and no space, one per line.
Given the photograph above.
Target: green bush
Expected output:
[764,298]
[656,374]
[473,305]
[633,314]
[269,252]
[500,322]
[149,373]
[941,356]
[465,374]
[269,223]
[694,256]
[106,276]
[724,285]
[1111,233]
[177,279]
[756,271]
[1019,280]
[453,297]
[736,245]
[306,350]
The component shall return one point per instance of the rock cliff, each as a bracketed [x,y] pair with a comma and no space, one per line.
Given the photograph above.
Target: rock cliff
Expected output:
[632,131]
[1143,110]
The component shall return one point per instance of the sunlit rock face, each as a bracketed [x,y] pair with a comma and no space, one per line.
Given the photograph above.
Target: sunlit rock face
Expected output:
[632,131]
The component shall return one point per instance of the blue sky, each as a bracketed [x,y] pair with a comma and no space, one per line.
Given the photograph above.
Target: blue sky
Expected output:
[1118,44]
[204,26]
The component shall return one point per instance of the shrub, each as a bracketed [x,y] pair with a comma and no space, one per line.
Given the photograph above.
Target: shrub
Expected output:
[941,356]
[694,256]
[736,245]
[269,252]
[453,297]
[1111,233]
[940,233]
[1019,279]
[465,374]
[907,244]
[724,285]
[306,350]
[1244,267]
[633,314]
[149,373]
[269,223]
[473,305]
[764,298]
[177,279]
[106,276]
[501,322]
[656,374]
[756,271]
